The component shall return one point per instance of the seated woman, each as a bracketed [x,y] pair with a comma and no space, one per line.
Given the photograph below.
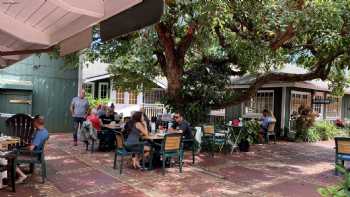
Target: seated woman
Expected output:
[266,119]
[137,130]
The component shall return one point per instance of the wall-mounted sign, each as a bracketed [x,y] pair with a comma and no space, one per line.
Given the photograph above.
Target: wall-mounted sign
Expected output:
[322,101]
[20,101]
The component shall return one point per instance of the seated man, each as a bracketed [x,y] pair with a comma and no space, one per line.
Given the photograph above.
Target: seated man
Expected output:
[40,136]
[184,126]
[266,119]
[108,117]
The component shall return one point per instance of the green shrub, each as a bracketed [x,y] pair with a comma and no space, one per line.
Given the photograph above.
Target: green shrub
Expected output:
[326,129]
[341,190]
[252,131]
[95,102]
[323,130]
[312,135]
[304,121]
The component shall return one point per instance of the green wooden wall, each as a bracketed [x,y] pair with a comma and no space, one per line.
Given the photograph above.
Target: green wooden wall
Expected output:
[345,110]
[53,88]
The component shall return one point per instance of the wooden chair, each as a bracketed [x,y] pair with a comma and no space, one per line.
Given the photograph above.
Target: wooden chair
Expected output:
[271,132]
[21,126]
[208,138]
[211,138]
[171,147]
[342,150]
[122,152]
[25,156]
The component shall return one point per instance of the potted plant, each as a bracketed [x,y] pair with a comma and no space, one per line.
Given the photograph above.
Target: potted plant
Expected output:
[249,135]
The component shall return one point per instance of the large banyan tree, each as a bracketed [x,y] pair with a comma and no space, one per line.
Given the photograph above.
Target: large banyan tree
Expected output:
[200,44]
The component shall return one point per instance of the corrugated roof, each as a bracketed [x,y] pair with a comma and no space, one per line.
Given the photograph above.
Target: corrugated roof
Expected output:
[96,71]
[288,68]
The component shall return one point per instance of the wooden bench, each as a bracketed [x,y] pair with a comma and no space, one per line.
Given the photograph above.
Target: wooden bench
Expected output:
[342,150]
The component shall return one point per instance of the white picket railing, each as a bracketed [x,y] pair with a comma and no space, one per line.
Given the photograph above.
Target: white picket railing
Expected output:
[154,109]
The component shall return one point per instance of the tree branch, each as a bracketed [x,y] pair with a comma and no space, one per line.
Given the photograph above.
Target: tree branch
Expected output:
[186,41]
[222,40]
[321,71]
[282,38]
[161,60]
[166,40]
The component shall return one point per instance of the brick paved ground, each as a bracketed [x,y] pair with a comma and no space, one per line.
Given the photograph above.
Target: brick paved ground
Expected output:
[283,169]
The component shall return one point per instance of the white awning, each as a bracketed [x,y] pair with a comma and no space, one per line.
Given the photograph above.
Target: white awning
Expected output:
[40,24]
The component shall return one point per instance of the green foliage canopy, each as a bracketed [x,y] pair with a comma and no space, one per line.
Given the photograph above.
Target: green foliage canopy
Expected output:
[199,45]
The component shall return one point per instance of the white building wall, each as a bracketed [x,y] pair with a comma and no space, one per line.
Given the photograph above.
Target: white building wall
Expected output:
[112,93]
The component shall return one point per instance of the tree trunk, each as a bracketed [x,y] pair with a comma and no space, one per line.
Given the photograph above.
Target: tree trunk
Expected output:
[174,75]
[172,58]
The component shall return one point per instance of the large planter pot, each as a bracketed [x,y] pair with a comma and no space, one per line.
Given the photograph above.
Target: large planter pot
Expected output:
[244,146]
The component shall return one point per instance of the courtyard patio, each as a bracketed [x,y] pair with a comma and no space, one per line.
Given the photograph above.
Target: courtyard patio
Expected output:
[282,169]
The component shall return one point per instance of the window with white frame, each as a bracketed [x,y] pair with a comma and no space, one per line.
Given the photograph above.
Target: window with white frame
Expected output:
[299,99]
[262,100]
[103,90]
[153,96]
[89,89]
[119,96]
[318,108]
[132,97]
[333,110]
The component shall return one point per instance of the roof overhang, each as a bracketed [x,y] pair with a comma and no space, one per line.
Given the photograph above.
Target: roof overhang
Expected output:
[96,78]
[303,84]
[39,24]
[16,84]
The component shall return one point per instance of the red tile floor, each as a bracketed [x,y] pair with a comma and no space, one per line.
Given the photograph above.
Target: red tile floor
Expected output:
[282,169]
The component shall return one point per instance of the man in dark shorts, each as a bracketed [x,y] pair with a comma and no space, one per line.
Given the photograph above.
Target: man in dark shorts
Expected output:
[78,109]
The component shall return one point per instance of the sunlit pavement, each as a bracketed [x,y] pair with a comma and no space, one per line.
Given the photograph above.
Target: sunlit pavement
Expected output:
[282,169]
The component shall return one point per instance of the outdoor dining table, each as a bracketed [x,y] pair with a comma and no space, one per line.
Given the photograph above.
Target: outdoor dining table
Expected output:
[6,144]
[154,139]
[234,133]
[112,126]
[110,131]
[158,136]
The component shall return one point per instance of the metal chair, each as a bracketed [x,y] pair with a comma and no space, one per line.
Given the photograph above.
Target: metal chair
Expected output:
[193,144]
[122,151]
[342,150]
[25,156]
[271,132]
[171,147]
[211,138]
